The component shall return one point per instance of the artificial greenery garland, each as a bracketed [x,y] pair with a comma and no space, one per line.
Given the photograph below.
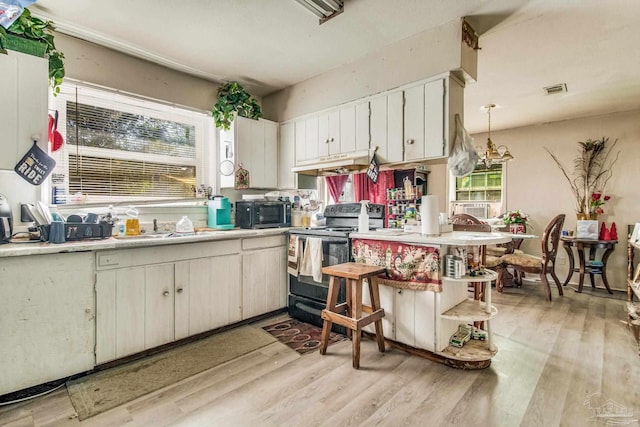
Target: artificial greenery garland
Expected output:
[232,98]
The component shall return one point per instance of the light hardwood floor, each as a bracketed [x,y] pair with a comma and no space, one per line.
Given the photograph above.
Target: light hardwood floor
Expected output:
[551,358]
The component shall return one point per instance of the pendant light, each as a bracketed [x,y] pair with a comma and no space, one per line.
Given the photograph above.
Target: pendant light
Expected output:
[493,154]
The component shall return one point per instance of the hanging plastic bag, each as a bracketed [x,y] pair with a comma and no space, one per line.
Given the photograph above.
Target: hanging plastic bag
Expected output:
[464,157]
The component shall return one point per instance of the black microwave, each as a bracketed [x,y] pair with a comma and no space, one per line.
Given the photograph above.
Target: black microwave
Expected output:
[263,214]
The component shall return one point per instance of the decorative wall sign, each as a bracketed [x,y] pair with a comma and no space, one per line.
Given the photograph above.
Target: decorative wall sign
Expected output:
[241,180]
[374,169]
[35,166]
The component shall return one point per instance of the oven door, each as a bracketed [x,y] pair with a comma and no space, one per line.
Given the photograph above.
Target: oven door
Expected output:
[335,250]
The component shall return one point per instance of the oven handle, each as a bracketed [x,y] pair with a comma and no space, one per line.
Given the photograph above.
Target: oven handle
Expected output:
[325,239]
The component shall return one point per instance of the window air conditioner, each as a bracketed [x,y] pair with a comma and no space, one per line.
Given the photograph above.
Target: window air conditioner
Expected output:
[477,210]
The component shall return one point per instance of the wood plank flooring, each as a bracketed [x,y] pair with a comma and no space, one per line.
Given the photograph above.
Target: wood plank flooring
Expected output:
[551,358]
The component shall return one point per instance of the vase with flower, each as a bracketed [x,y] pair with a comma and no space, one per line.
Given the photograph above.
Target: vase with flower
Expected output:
[592,169]
[517,221]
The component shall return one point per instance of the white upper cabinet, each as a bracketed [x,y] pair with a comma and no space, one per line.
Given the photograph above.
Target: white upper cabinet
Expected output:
[416,123]
[409,124]
[255,144]
[339,131]
[286,155]
[387,126]
[362,131]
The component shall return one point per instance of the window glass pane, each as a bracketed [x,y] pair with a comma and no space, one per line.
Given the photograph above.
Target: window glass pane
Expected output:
[112,177]
[494,195]
[117,130]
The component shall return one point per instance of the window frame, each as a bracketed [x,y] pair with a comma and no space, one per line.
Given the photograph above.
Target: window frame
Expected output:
[496,207]
[206,137]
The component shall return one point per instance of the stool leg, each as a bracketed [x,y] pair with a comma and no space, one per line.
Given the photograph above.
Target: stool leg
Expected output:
[374,291]
[332,298]
[349,311]
[356,313]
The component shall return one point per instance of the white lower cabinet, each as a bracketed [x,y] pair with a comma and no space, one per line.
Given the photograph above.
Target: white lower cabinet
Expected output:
[409,316]
[264,275]
[147,297]
[47,315]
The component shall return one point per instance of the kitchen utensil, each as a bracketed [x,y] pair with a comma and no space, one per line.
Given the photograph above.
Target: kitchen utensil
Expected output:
[74,218]
[38,218]
[56,232]
[91,218]
[58,140]
[46,213]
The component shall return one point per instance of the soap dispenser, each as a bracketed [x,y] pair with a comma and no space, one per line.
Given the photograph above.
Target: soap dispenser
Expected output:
[363,218]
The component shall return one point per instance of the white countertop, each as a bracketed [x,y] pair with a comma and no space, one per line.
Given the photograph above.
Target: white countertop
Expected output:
[459,238]
[42,248]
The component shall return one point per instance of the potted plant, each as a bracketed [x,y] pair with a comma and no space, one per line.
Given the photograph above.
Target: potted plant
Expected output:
[592,169]
[26,29]
[517,221]
[233,99]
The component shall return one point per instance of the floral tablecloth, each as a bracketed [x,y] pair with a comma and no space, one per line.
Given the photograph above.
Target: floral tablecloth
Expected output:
[408,266]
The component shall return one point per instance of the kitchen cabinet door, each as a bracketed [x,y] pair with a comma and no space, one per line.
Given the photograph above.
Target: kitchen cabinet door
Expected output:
[135,310]
[300,131]
[414,123]
[434,119]
[47,312]
[387,302]
[207,294]
[271,165]
[286,155]
[386,126]
[347,129]
[23,110]
[256,145]
[362,133]
[329,133]
[159,305]
[312,150]
[264,281]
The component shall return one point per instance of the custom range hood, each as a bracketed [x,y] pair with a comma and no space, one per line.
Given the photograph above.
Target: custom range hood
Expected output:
[337,164]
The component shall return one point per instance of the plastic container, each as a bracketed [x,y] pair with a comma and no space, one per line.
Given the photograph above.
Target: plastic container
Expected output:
[184,226]
[363,218]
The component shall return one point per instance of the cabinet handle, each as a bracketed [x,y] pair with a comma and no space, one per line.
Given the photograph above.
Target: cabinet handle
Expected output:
[331,140]
[180,290]
[400,291]
[410,141]
[326,141]
[165,293]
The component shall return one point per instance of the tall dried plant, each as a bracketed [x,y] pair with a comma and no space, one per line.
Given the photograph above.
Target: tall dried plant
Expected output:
[592,169]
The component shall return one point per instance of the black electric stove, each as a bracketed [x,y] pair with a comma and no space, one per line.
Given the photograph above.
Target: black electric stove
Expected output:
[307,298]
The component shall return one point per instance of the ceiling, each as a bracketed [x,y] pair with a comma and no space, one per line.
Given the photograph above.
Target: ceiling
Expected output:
[591,45]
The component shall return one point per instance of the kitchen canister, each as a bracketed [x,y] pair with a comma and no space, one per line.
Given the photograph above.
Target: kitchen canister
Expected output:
[430,216]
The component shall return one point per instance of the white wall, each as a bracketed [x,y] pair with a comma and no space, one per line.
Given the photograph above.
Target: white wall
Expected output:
[536,185]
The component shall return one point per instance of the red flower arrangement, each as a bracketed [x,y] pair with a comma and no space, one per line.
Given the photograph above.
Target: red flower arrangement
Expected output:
[597,202]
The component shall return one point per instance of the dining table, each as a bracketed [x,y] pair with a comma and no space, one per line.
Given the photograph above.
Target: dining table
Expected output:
[590,264]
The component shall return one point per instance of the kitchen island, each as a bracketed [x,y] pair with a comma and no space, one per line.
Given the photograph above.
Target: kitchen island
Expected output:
[67,308]
[423,307]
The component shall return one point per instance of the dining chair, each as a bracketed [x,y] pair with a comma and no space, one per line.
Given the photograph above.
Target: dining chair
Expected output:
[538,265]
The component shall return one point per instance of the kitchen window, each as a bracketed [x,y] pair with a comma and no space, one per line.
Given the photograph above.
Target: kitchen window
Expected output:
[481,193]
[124,148]
[483,184]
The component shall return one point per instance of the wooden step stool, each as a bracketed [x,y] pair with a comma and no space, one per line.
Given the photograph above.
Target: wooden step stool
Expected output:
[354,318]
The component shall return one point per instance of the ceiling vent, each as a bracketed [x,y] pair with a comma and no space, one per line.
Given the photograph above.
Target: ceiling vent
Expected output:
[552,90]
[323,9]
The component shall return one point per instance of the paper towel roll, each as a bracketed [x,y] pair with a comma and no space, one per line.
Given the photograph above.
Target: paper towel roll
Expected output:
[429,212]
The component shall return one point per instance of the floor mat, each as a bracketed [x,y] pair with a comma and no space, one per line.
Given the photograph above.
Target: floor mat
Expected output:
[299,336]
[103,390]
